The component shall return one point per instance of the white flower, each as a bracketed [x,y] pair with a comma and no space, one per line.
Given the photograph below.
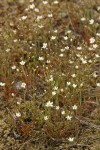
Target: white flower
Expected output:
[57,107]
[69,118]
[95,45]
[74,107]
[53,37]
[78,55]
[24,17]
[68,83]
[62,50]
[74,85]
[98,8]
[91,21]
[48,61]
[62,90]
[8,50]
[45,2]
[95,74]
[50,15]
[65,38]
[39,18]
[84,61]
[81,84]
[67,47]
[55,31]
[18,114]
[76,67]
[98,84]
[23,85]
[83,19]
[2,84]
[97,56]
[90,61]
[44,45]
[13,67]
[69,31]
[92,40]
[73,75]
[45,117]
[40,58]
[17,70]
[51,78]
[56,2]
[18,103]
[14,31]
[71,139]
[22,63]
[98,34]
[53,93]
[79,48]
[49,104]
[90,48]
[71,62]
[55,88]
[63,112]
[61,55]
[32,6]
[15,40]
[36,10]
[40,26]
[13,94]
[27,9]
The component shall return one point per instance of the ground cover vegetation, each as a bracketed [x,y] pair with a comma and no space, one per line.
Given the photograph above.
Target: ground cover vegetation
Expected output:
[49,75]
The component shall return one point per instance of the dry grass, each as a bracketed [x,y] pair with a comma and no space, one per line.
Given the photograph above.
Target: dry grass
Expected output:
[50,76]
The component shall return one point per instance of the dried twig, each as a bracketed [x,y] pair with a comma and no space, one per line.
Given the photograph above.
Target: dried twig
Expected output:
[78,145]
[10,113]
[84,122]
[28,142]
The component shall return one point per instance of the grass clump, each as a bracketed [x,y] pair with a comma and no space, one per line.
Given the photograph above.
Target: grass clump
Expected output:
[50,77]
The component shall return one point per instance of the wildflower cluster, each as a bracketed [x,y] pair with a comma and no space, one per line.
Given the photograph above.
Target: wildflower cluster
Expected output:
[50,67]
